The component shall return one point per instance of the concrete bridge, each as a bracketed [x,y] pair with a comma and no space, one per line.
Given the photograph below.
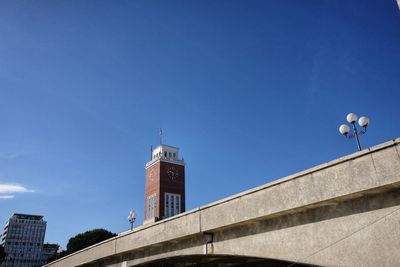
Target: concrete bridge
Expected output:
[345,212]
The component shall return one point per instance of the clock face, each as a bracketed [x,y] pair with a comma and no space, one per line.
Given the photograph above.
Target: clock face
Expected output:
[172,173]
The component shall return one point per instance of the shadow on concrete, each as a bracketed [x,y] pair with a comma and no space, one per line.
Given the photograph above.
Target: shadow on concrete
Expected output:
[219,261]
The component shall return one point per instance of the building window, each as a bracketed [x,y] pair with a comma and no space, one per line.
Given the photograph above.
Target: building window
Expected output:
[151,206]
[172,205]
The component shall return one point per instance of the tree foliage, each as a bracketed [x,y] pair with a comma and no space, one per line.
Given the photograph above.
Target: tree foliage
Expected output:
[57,256]
[87,239]
[2,254]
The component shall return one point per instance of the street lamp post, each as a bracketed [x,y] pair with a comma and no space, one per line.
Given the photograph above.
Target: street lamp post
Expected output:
[132,218]
[345,129]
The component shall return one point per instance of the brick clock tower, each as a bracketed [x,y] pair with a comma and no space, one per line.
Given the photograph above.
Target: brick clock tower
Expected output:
[165,184]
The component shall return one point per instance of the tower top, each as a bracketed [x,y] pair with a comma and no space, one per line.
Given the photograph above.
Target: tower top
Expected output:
[165,153]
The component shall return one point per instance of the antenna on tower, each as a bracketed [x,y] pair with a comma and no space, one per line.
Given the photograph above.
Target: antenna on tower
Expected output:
[160,136]
[151,152]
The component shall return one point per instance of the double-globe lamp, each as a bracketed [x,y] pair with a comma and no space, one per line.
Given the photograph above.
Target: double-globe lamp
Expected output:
[132,218]
[345,129]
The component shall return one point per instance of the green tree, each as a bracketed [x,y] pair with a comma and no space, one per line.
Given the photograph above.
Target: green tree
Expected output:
[50,251]
[87,239]
[2,254]
[57,256]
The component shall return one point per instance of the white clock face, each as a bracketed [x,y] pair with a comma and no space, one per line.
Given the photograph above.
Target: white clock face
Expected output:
[172,173]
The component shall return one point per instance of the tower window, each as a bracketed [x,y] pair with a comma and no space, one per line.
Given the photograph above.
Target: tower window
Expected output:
[169,154]
[165,154]
[172,204]
[177,204]
[174,155]
[151,206]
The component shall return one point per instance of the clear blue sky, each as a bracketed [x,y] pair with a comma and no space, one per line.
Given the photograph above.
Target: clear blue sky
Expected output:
[251,91]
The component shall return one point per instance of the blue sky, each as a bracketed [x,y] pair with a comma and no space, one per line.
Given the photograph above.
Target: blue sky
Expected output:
[251,91]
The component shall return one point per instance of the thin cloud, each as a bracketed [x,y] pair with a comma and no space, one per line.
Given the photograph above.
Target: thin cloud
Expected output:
[7,191]
[13,188]
[6,196]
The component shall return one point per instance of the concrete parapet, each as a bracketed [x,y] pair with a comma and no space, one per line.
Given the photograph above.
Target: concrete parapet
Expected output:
[371,168]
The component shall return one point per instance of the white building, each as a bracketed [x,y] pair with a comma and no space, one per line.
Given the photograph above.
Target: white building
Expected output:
[23,239]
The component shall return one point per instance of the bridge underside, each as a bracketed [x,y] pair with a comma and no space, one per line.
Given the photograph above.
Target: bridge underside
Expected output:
[220,261]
